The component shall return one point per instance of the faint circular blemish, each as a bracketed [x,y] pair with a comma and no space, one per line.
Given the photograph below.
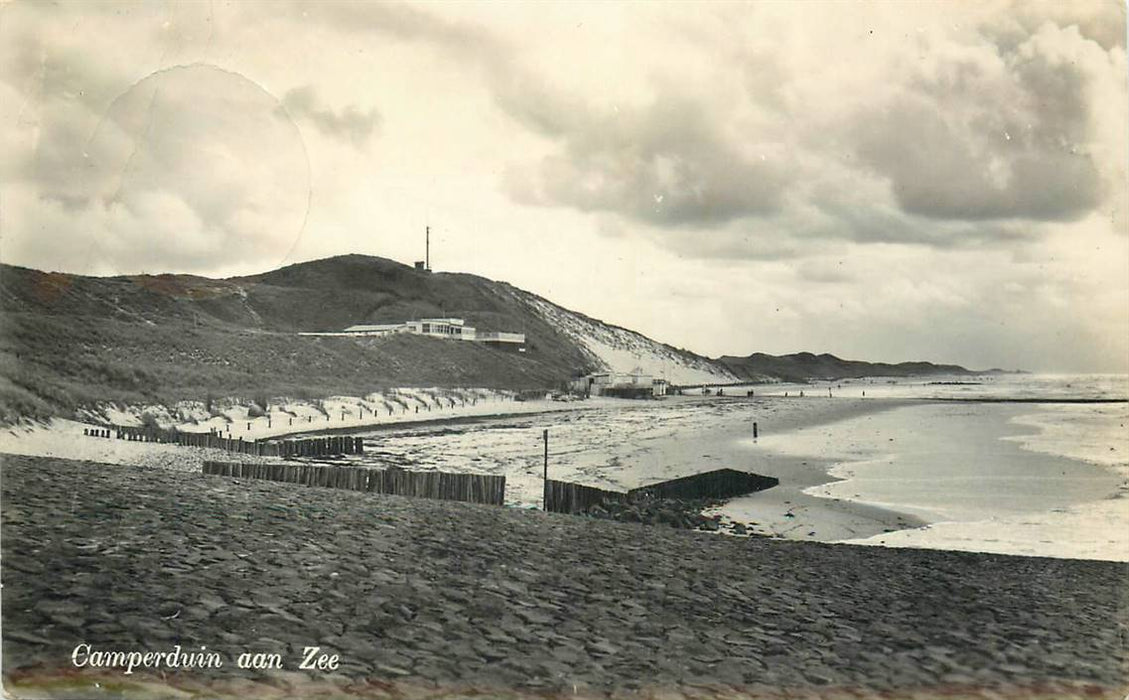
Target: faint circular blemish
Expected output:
[197,168]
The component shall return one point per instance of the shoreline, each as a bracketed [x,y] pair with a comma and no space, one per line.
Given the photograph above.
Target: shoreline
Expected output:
[787,511]
[783,511]
[614,444]
[1034,502]
[951,399]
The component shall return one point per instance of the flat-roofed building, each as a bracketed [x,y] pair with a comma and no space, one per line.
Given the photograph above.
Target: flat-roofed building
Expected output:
[453,328]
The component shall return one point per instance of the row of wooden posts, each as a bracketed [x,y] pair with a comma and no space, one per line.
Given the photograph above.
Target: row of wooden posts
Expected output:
[568,497]
[303,447]
[559,496]
[471,488]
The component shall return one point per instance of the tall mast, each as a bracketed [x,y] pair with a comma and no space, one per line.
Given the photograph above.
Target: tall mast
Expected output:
[427,249]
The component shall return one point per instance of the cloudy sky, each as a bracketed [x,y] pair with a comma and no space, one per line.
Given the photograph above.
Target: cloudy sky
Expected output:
[883,181]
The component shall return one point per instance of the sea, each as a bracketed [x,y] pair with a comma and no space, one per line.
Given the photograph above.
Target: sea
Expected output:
[1029,464]
[1014,464]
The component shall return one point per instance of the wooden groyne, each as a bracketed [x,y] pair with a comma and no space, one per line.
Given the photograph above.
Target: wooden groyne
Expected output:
[304,447]
[568,497]
[720,483]
[470,488]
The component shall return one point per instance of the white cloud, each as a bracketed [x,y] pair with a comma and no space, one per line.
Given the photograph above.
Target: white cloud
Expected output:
[946,181]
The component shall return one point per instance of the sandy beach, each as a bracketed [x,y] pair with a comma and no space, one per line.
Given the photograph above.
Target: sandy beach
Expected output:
[601,442]
[430,599]
[64,438]
[627,445]
[543,349]
[125,545]
[897,471]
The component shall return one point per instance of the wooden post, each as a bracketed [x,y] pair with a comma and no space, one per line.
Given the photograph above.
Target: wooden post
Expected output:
[754,430]
[545,488]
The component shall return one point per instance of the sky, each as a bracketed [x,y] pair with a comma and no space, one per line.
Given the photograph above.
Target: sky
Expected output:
[883,181]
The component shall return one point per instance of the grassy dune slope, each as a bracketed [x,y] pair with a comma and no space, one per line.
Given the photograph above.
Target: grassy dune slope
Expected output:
[52,365]
[68,341]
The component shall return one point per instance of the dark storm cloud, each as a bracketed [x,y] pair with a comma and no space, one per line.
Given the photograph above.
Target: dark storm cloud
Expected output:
[958,139]
[999,127]
[988,139]
[349,124]
[668,164]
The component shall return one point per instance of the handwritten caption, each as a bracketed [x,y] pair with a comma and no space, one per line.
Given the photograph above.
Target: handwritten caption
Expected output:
[84,655]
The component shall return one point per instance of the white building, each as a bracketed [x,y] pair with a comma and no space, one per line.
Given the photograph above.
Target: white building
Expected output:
[454,328]
[434,327]
[370,329]
[442,328]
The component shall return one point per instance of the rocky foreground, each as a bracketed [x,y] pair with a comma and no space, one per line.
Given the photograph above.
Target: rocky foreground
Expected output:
[432,599]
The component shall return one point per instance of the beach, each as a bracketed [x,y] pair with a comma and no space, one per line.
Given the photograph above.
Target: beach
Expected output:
[632,444]
[896,468]
[850,469]
[1049,480]
[122,545]
[540,350]
[431,599]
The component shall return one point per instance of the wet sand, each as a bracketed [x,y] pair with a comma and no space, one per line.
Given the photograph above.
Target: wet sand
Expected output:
[608,443]
[625,444]
[631,444]
[984,477]
[432,599]
[786,511]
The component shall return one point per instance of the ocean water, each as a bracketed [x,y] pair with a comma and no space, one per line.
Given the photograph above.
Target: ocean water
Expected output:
[1049,479]
[987,386]
[1044,479]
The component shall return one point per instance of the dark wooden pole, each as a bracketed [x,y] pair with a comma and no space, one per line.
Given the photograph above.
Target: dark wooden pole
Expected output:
[545,489]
